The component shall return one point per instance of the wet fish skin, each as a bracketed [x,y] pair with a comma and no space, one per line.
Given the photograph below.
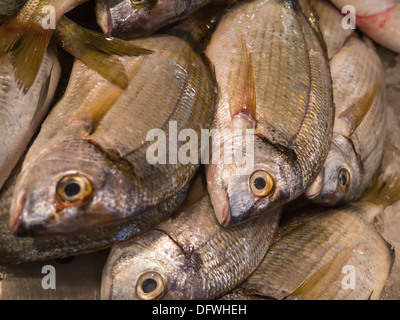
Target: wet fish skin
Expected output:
[15,250]
[311,250]
[99,132]
[22,113]
[290,103]
[195,257]
[360,124]
[121,19]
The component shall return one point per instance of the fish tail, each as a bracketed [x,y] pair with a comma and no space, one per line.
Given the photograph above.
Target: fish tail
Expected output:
[27,43]
[97,51]
[383,191]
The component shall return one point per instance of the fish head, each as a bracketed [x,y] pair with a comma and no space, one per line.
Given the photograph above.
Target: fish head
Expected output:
[147,268]
[340,179]
[270,178]
[71,188]
[128,19]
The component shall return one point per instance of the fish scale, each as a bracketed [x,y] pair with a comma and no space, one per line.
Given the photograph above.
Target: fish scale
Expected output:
[197,258]
[293,102]
[98,120]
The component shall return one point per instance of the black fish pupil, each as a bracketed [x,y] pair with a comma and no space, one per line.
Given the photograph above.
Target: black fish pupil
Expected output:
[72,189]
[342,178]
[149,285]
[260,183]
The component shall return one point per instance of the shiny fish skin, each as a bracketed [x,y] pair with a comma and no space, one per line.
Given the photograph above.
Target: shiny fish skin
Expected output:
[98,131]
[121,19]
[197,258]
[310,251]
[360,124]
[21,114]
[293,112]
[14,250]
[331,25]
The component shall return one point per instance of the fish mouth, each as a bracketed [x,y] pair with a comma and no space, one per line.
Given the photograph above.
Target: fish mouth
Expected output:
[314,190]
[220,202]
[16,215]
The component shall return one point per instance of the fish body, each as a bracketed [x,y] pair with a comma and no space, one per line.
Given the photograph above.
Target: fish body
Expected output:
[360,120]
[16,250]
[21,113]
[96,160]
[124,19]
[325,254]
[273,77]
[190,256]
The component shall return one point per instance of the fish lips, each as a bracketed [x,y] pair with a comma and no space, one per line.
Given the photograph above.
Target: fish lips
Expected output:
[69,221]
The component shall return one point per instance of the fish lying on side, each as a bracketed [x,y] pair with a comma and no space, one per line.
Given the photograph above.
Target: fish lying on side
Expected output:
[329,253]
[15,250]
[273,77]
[378,19]
[21,113]
[189,256]
[100,157]
[130,19]
[360,120]
[27,35]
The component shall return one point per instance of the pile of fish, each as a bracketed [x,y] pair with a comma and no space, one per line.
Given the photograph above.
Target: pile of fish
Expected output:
[221,149]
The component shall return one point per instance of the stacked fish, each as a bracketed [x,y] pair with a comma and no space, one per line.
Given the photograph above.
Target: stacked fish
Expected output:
[277,206]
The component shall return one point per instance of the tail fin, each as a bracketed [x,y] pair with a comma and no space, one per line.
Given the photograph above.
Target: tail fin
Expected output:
[97,50]
[27,41]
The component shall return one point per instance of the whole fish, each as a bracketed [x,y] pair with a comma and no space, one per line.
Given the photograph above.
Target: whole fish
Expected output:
[21,113]
[274,80]
[15,250]
[101,156]
[360,122]
[189,256]
[27,35]
[130,19]
[329,253]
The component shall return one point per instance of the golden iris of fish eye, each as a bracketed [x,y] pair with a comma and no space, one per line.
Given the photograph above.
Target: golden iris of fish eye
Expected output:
[344,177]
[261,184]
[150,286]
[73,189]
[144,3]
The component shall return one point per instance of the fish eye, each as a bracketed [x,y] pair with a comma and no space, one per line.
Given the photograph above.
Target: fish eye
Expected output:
[344,177]
[261,184]
[149,4]
[73,189]
[150,286]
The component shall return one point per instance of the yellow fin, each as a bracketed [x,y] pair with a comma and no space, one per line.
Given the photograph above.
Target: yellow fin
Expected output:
[320,281]
[97,50]
[355,114]
[27,41]
[96,105]
[242,95]
[383,191]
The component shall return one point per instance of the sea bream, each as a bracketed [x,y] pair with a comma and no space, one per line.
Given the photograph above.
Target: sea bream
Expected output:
[98,158]
[273,76]
[189,256]
[360,119]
